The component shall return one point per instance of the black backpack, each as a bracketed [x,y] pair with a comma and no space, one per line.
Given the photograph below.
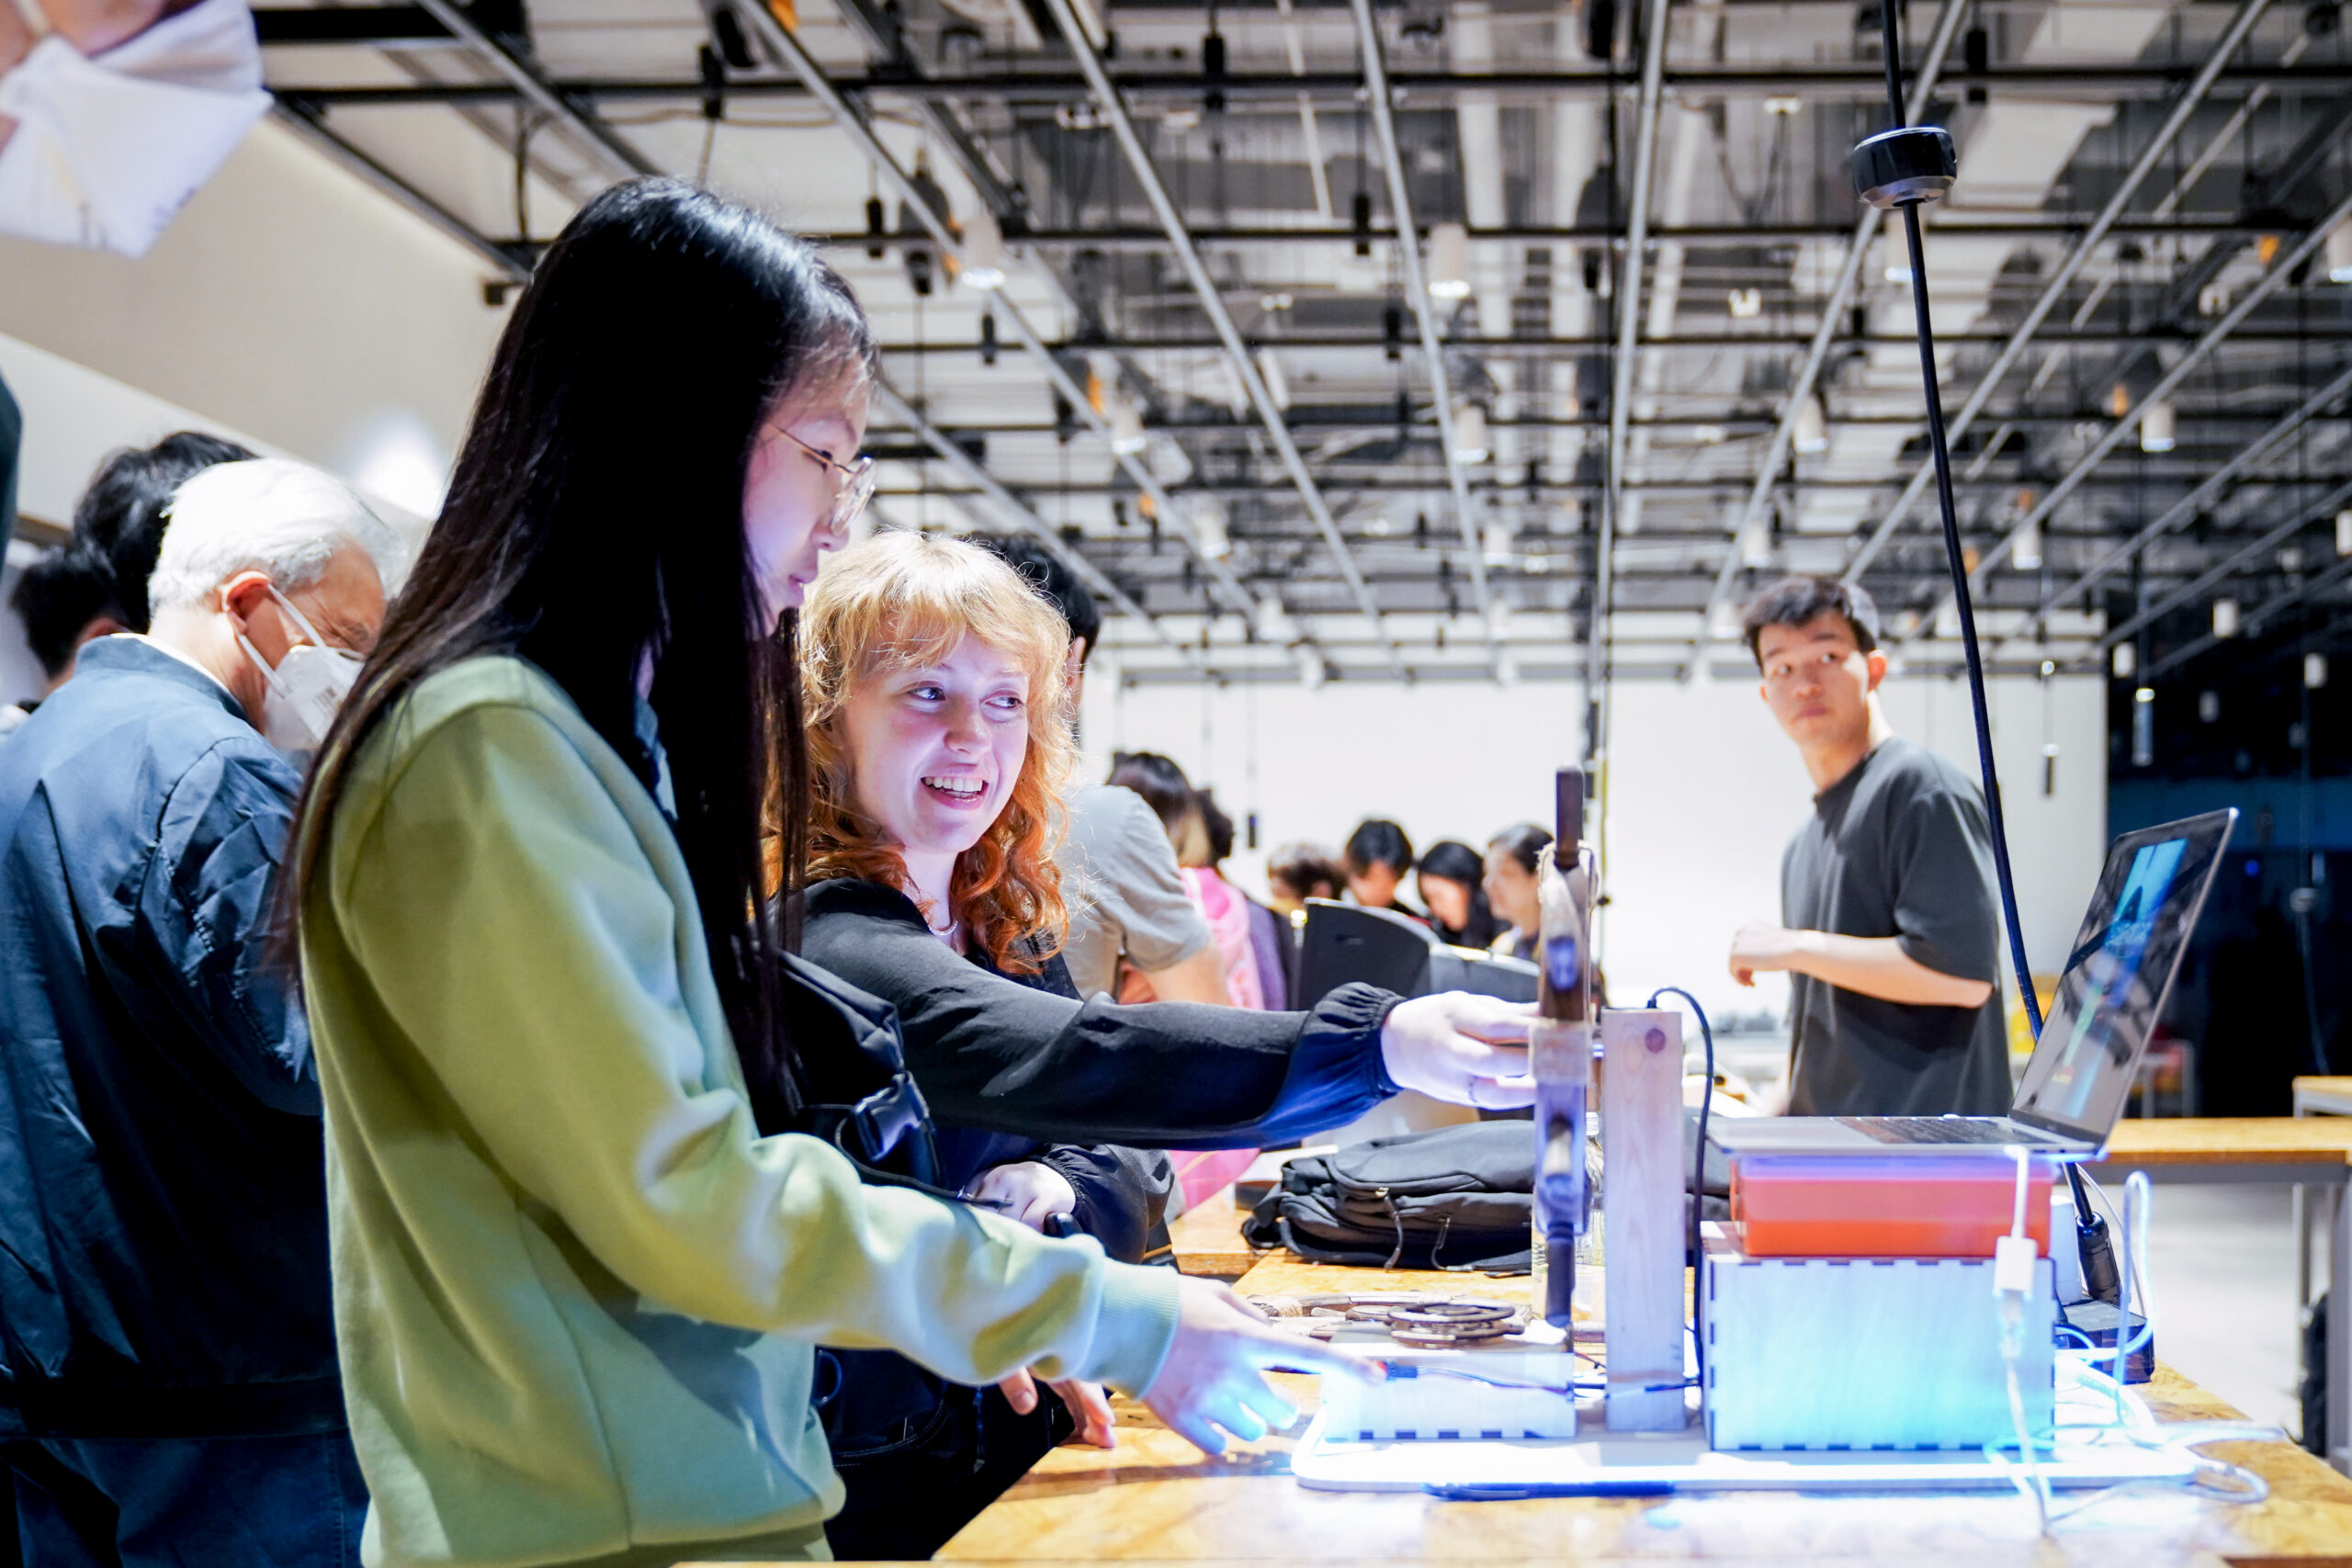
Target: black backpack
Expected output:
[1454,1198]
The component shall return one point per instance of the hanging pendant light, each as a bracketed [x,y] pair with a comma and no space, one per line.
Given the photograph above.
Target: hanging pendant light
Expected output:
[1449,262]
[1811,433]
[983,250]
[1470,433]
[2225,617]
[2339,254]
[2026,554]
[2157,427]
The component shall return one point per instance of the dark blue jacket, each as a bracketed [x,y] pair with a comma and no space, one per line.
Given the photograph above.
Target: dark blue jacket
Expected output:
[163,1205]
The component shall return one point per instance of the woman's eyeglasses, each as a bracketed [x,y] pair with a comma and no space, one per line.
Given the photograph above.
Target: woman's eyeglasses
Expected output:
[857,479]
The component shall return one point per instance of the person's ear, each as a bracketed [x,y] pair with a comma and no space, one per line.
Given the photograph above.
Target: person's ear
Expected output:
[1874,667]
[242,595]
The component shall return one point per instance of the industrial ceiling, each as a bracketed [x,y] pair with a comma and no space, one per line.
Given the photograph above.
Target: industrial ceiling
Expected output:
[1644,349]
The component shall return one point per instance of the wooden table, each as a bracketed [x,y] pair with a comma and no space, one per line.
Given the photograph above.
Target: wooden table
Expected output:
[1155,1498]
[1208,1240]
[2303,1152]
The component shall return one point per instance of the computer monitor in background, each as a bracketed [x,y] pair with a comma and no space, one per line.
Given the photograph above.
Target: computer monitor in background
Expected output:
[1347,941]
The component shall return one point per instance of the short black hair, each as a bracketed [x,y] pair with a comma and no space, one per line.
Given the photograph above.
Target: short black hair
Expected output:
[1378,841]
[1303,868]
[1219,826]
[1795,601]
[1524,842]
[1160,781]
[1049,577]
[57,598]
[119,518]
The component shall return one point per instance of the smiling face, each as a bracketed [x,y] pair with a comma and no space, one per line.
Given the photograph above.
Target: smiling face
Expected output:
[792,488]
[1819,681]
[936,750]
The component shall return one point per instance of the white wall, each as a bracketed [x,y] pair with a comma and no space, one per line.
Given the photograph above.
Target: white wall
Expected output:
[1703,790]
[288,300]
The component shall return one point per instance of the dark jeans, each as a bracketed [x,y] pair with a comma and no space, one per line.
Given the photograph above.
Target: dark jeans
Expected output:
[907,1499]
[188,1502]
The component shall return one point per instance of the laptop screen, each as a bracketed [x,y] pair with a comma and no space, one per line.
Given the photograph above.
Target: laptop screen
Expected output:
[2118,975]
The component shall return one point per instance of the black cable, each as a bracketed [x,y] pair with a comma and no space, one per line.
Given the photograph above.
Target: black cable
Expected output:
[1888,10]
[1698,1172]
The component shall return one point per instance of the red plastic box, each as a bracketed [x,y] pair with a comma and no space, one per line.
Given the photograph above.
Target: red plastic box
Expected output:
[1914,1206]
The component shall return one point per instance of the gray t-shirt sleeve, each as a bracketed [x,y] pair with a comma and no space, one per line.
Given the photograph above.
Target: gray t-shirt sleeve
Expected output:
[1119,878]
[1944,914]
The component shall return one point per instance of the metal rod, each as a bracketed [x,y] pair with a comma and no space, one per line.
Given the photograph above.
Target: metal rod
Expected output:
[1621,392]
[2262,613]
[1279,93]
[1188,254]
[1408,254]
[2077,255]
[2203,496]
[1850,269]
[526,80]
[2219,572]
[786,48]
[2283,266]
[313,125]
[1559,347]
[986,483]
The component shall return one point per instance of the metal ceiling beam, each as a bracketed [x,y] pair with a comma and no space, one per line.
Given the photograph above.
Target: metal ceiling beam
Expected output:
[1188,254]
[1695,236]
[2216,575]
[1553,348]
[312,125]
[2078,257]
[2204,495]
[1850,269]
[1417,289]
[1279,93]
[527,80]
[2254,619]
[1345,417]
[788,52]
[1841,293]
[1728,488]
[2283,266]
[1633,261]
[987,484]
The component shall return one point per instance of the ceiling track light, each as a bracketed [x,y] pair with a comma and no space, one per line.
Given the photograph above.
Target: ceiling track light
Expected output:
[1449,262]
[1812,432]
[1128,437]
[983,264]
[1470,435]
[2025,553]
[2339,254]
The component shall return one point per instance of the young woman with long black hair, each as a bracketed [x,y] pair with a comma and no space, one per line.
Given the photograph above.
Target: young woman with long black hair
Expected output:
[576,1289]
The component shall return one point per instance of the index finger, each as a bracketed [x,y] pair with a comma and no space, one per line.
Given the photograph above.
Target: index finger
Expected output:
[1278,1351]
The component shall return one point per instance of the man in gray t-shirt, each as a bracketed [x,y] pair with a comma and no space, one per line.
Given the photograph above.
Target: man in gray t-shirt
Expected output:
[1119,874]
[1125,899]
[1889,930]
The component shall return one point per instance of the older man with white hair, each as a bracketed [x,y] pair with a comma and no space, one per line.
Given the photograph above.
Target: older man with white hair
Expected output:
[164,1296]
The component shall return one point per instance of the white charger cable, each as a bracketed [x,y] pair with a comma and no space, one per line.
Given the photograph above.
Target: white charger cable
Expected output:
[2014,1257]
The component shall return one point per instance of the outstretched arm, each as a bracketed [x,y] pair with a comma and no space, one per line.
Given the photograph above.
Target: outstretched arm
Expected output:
[1875,966]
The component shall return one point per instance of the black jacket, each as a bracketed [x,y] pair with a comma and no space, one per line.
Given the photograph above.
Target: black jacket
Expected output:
[163,1202]
[1000,1056]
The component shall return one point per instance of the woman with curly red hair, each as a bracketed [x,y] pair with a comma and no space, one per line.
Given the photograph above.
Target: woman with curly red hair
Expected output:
[939,744]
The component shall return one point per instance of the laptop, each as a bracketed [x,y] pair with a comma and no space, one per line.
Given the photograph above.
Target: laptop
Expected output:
[2109,997]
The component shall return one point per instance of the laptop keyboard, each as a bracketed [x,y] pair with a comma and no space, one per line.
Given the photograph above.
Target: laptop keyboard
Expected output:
[1940,1130]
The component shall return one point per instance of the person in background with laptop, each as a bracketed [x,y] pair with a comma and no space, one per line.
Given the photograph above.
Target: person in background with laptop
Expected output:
[1888,926]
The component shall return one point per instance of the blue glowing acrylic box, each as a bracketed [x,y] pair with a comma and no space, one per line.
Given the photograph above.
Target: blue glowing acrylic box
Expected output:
[1878,1354]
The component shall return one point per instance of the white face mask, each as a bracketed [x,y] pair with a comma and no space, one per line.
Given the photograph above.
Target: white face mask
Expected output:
[107,150]
[306,688]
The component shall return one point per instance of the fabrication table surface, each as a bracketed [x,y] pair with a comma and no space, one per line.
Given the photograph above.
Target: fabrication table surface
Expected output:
[1153,1499]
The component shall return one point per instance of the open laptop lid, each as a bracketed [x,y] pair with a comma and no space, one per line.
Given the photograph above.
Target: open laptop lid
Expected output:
[2114,982]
